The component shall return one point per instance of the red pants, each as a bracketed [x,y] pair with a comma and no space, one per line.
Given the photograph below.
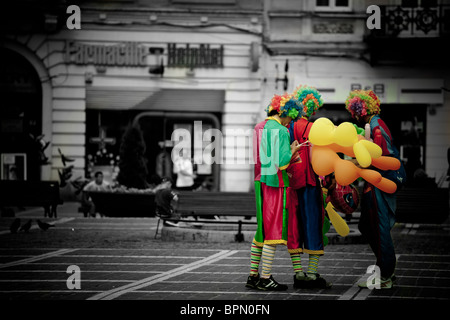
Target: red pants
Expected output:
[280,217]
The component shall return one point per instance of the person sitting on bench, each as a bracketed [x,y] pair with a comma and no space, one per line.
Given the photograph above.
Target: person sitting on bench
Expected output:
[166,201]
[98,184]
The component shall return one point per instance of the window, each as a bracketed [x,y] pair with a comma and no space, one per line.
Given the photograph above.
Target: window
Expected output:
[204,2]
[13,166]
[333,5]
[415,3]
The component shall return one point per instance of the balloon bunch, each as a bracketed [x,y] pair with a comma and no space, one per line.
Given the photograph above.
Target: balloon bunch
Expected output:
[329,140]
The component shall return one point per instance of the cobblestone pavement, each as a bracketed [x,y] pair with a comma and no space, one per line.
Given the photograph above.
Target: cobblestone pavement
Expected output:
[120,259]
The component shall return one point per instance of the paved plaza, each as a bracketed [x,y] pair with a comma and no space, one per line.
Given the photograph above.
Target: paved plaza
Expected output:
[119,258]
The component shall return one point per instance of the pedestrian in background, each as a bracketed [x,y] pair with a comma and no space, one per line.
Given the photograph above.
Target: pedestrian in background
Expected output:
[96,185]
[166,201]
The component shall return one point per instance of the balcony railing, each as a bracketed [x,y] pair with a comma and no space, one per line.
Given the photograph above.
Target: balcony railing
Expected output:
[397,21]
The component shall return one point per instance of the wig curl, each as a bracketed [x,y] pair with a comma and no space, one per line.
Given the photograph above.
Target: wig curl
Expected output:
[362,102]
[286,106]
[310,98]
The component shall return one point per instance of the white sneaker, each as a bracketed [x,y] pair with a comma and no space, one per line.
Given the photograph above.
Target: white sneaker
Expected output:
[384,284]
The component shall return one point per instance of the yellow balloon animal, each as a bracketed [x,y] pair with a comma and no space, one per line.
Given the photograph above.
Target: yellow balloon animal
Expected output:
[339,224]
[328,139]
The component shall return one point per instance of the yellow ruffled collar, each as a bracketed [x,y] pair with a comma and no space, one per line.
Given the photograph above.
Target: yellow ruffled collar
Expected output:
[272,118]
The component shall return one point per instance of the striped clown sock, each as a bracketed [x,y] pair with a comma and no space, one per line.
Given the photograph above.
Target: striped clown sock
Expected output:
[313,263]
[255,258]
[268,253]
[296,262]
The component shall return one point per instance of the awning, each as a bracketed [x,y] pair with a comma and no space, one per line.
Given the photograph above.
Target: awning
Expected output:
[116,98]
[184,100]
[131,98]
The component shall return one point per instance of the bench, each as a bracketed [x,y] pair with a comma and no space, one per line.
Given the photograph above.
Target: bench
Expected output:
[122,204]
[204,205]
[22,193]
[422,205]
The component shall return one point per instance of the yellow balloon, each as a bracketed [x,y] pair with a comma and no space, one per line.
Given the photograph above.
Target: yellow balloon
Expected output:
[345,135]
[374,149]
[339,224]
[362,155]
[321,132]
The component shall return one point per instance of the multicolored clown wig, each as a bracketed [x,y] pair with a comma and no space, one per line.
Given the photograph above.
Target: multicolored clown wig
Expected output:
[362,102]
[286,106]
[310,98]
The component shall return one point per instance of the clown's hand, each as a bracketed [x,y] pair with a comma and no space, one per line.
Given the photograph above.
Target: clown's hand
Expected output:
[295,147]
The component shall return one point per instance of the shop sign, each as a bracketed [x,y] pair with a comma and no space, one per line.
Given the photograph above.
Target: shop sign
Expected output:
[134,54]
[190,56]
[121,54]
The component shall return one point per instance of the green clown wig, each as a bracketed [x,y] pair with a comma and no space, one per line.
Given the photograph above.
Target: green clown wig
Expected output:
[310,98]
[286,106]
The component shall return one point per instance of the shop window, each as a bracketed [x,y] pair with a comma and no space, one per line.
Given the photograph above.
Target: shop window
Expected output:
[13,166]
[407,124]
[428,3]
[417,3]
[409,3]
[333,5]
[215,2]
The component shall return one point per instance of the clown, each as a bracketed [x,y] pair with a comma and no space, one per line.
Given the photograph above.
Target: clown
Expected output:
[377,207]
[275,200]
[308,193]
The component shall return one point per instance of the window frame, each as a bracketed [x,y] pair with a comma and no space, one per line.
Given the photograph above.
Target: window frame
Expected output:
[332,7]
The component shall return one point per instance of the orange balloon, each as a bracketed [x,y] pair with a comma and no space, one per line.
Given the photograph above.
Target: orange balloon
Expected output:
[322,160]
[345,172]
[386,185]
[370,176]
[386,163]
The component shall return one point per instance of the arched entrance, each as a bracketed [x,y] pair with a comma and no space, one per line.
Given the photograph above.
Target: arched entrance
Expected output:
[21,117]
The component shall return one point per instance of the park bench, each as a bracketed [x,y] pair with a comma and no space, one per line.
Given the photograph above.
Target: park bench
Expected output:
[204,205]
[23,193]
[422,205]
[123,204]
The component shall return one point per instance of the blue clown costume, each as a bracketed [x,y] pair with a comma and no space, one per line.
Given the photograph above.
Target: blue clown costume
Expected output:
[377,207]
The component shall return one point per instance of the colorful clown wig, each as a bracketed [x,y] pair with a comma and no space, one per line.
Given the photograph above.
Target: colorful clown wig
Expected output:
[286,106]
[362,102]
[310,98]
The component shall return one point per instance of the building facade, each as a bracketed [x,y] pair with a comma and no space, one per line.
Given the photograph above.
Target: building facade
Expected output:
[174,64]
[198,65]
[328,44]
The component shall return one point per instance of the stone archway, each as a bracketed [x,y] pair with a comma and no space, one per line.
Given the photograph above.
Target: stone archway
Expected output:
[45,94]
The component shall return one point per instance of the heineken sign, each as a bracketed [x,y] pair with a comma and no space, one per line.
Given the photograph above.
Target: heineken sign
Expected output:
[135,54]
[188,56]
